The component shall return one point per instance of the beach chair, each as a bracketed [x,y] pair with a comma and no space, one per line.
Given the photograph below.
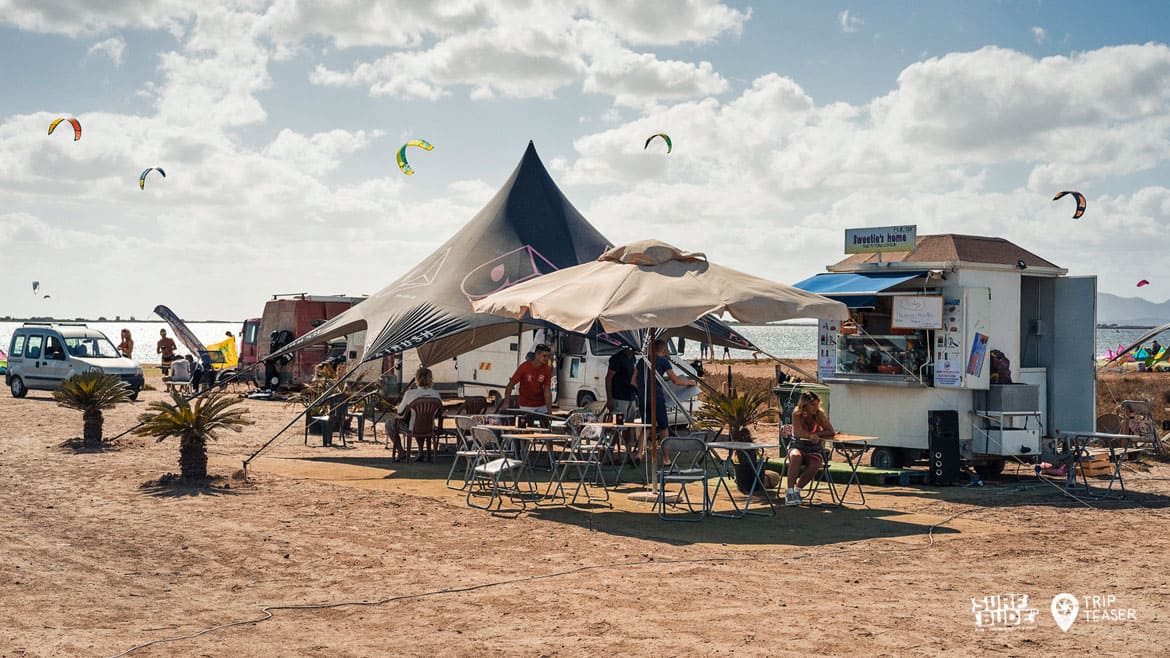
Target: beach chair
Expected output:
[681,461]
[493,472]
[424,413]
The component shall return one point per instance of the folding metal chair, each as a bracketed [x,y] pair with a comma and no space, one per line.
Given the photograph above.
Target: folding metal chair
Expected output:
[681,461]
[586,450]
[489,469]
[465,450]
[824,476]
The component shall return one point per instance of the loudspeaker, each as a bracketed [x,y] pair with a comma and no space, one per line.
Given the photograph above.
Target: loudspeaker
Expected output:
[944,458]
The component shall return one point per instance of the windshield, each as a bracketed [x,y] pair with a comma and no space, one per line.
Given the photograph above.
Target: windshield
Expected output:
[98,347]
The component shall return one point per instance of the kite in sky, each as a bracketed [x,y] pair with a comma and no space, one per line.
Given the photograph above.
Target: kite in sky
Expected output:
[665,138]
[1143,282]
[142,178]
[74,122]
[402,163]
[36,287]
[1080,202]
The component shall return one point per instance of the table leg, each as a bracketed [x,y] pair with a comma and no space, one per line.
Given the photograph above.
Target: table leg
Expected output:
[853,457]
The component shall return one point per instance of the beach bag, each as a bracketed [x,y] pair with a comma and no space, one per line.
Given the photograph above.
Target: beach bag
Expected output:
[1001,368]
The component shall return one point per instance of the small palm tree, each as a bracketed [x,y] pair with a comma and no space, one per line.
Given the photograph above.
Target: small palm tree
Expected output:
[737,412]
[90,392]
[193,422]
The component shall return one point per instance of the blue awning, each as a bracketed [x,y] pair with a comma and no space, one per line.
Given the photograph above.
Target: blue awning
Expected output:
[854,289]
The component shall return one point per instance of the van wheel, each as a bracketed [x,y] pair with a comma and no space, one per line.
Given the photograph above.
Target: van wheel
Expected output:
[584,398]
[885,458]
[133,394]
[17,387]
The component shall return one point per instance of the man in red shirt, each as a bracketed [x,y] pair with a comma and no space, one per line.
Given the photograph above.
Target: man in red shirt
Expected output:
[535,380]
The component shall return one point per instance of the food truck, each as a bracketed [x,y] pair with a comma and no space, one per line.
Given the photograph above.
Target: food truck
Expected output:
[912,364]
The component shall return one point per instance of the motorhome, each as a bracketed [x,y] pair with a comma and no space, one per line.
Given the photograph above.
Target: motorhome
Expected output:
[581,365]
[286,317]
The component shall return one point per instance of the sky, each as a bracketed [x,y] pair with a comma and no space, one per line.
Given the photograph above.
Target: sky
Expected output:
[277,123]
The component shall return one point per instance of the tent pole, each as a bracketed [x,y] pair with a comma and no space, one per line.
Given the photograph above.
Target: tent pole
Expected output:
[298,416]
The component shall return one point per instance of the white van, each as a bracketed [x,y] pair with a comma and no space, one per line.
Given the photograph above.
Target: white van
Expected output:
[42,355]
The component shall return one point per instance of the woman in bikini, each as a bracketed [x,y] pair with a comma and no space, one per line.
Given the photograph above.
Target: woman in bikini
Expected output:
[810,428]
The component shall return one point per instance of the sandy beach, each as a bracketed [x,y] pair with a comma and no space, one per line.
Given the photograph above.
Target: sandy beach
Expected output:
[351,555]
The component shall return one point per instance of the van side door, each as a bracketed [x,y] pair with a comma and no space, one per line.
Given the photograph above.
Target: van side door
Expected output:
[33,356]
[55,364]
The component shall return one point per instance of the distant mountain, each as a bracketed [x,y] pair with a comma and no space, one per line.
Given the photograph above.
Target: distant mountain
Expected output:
[1112,309]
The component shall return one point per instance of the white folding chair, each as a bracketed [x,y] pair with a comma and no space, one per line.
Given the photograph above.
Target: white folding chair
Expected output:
[489,470]
[589,444]
[465,450]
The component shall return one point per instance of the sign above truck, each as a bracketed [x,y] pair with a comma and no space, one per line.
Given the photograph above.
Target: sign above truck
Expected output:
[880,239]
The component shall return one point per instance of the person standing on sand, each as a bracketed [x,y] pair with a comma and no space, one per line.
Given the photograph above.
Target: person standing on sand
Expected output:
[126,347]
[535,382]
[166,347]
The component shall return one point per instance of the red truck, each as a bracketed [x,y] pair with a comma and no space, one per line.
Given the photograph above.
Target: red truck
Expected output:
[286,317]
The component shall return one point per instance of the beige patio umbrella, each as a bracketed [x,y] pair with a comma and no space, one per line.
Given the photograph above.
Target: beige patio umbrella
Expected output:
[650,284]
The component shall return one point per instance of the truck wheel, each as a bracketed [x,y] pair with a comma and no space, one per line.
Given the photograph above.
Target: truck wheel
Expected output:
[991,469]
[584,398]
[885,458]
[17,387]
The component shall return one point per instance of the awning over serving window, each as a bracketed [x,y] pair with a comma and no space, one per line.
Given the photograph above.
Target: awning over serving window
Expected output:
[856,290]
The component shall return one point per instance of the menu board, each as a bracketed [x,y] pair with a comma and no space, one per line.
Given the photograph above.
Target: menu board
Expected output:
[949,352]
[827,348]
[917,312]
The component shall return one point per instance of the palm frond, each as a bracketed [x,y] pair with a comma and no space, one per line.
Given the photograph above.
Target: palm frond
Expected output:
[181,419]
[91,389]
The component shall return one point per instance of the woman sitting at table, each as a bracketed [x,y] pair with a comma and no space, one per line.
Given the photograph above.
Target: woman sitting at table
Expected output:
[806,454]
[423,388]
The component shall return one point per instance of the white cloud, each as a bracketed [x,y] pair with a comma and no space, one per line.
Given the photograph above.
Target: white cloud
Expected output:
[1039,34]
[972,142]
[849,23]
[531,51]
[77,17]
[113,48]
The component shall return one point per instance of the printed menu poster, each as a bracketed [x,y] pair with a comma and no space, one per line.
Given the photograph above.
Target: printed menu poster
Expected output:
[948,347]
[978,350]
[827,348]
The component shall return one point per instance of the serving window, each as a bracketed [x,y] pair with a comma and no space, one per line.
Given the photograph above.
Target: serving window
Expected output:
[875,342]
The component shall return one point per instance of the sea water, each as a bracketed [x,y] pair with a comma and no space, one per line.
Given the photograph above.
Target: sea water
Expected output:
[786,341]
[145,335]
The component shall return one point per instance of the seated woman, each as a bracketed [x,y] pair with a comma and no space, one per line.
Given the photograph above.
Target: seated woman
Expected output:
[423,381]
[810,428]
[180,373]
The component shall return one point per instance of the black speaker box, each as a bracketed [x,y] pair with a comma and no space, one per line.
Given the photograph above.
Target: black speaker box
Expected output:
[944,460]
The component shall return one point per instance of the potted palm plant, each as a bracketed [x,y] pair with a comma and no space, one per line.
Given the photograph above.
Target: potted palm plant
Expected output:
[90,392]
[193,422]
[737,413]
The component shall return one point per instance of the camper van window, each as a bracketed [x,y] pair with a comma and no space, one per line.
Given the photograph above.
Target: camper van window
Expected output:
[872,346]
[603,348]
[18,346]
[574,345]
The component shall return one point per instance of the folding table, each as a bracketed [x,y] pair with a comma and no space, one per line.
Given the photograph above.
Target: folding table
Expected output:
[852,447]
[725,472]
[1078,443]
